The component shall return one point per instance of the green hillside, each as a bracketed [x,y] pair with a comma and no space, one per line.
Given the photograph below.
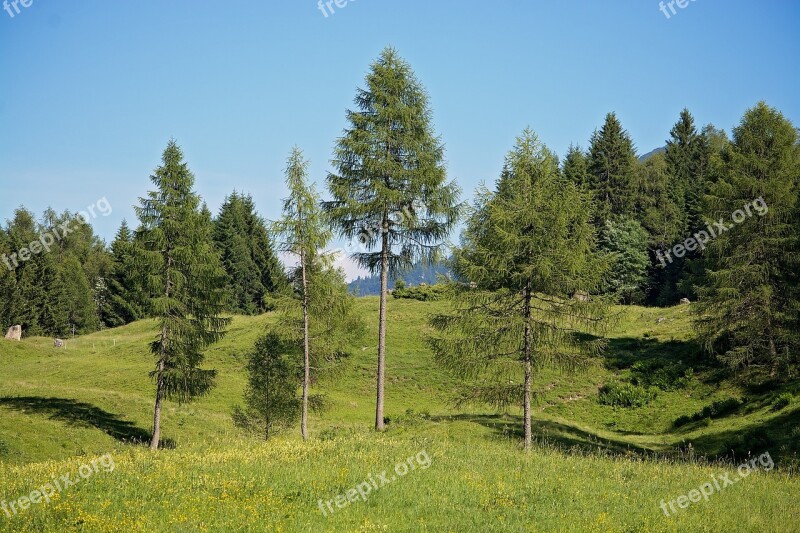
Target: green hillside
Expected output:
[62,407]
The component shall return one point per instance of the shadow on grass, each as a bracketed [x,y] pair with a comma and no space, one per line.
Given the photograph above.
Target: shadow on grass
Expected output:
[623,352]
[550,433]
[779,436]
[81,414]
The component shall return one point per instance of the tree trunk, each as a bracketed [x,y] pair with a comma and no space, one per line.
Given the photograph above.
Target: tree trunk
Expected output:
[527,359]
[306,350]
[773,354]
[379,425]
[154,442]
[160,384]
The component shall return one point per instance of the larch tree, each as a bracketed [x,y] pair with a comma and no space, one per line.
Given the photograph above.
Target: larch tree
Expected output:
[303,232]
[528,248]
[185,269]
[389,187]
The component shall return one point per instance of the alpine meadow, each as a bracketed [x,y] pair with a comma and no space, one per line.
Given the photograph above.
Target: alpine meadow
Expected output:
[430,267]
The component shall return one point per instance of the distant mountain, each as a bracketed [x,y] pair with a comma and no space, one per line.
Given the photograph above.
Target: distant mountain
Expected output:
[648,155]
[371,285]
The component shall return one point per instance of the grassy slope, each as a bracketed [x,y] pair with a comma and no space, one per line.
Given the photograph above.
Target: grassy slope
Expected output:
[96,395]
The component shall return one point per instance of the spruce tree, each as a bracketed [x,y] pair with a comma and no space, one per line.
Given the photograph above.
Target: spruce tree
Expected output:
[186,270]
[389,187]
[625,240]
[528,247]
[126,281]
[687,163]
[659,208]
[575,167]
[77,296]
[253,270]
[687,157]
[748,311]
[612,164]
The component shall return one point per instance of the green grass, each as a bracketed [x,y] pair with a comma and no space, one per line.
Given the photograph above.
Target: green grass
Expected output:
[595,467]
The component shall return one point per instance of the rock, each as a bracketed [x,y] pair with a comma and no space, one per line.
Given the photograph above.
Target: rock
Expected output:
[581,296]
[58,343]
[14,333]
[660,320]
[685,301]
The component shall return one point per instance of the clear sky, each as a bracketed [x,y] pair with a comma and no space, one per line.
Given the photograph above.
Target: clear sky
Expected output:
[92,90]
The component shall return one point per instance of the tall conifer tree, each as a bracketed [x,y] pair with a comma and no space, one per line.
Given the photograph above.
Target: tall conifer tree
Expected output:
[186,270]
[389,186]
[748,312]
[528,247]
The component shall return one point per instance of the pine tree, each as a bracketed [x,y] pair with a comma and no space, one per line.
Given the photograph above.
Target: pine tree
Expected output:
[612,164]
[748,311]
[389,188]
[186,269]
[527,249]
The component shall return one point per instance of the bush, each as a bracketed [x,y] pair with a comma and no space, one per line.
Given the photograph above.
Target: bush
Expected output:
[716,409]
[423,293]
[626,395]
[410,418]
[666,376]
[781,401]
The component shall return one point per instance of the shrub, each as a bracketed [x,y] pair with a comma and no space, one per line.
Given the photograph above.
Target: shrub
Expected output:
[781,401]
[666,376]
[626,395]
[716,409]
[423,293]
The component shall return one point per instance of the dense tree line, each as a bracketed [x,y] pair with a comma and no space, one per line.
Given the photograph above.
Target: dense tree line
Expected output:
[83,285]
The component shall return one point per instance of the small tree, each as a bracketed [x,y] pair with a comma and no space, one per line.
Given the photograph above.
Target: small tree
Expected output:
[528,247]
[389,188]
[271,401]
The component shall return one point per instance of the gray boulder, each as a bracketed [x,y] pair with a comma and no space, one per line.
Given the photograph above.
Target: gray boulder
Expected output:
[14,333]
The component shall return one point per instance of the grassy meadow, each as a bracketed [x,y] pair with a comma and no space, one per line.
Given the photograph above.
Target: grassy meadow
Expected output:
[595,467]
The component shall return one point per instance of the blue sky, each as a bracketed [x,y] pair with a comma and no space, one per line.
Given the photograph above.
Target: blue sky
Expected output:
[91,91]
